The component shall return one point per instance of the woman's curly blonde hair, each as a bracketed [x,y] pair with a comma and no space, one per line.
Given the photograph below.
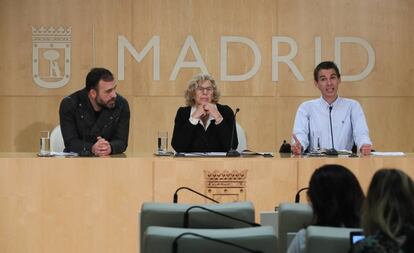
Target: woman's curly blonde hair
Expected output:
[197,81]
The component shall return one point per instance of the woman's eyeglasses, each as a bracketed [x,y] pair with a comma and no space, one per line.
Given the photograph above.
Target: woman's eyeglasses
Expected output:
[203,89]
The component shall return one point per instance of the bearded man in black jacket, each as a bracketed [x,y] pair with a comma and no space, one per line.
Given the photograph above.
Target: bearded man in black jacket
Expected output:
[95,120]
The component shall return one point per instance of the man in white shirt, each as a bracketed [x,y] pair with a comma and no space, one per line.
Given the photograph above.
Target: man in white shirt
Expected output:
[330,122]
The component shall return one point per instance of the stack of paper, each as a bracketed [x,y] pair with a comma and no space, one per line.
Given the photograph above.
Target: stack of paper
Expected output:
[388,153]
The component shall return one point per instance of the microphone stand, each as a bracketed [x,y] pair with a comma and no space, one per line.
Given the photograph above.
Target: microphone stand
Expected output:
[175,197]
[187,216]
[231,244]
[297,197]
[332,151]
[233,152]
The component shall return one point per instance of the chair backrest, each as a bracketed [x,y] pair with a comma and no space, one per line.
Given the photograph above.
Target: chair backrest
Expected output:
[172,215]
[328,239]
[241,137]
[292,218]
[160,240]
[56,140]
[270,218]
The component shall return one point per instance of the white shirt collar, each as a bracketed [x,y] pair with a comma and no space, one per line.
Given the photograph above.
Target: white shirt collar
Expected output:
[325,104]
[210,118]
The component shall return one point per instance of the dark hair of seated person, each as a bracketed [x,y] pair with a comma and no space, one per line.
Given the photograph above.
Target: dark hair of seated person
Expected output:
[336,197]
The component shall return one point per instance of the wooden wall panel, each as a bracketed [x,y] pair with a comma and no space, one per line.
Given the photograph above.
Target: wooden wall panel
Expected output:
[92,205]
[390,122]
[206,21]
[110,19]
[16,50]
[150,116]
[387,28]
[22,120]
[363,168]
[277,176]
[72,205]
[258,118]
[267,107]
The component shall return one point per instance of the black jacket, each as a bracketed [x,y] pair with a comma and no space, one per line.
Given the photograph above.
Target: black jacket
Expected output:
[80,127]
[193,138]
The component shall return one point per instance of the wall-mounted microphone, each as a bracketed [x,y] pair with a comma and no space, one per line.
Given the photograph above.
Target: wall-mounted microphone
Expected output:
[297,196]
[233,152]
[187,216]
[231,244]
[331,151]
[175,197]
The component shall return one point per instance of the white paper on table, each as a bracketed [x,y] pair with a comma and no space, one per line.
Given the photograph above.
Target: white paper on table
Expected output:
[204,154]
[388,153]
[63,154]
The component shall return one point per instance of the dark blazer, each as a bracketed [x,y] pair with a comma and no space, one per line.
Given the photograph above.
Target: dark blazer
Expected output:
[193,138]
[80,127]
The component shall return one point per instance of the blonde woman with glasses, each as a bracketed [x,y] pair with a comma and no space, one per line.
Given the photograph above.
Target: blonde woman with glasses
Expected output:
[203,125]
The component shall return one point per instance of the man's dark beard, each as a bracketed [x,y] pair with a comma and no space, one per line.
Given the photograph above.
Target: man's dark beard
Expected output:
[102,105]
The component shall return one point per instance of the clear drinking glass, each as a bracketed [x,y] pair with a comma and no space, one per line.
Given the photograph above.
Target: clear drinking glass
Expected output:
[44,143]
[315,141]
[162,141]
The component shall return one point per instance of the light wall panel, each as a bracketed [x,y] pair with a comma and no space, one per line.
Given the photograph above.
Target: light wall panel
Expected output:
[267,106]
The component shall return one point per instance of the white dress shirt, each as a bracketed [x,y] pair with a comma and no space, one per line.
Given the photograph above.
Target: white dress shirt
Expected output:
[312,125]
[298,243]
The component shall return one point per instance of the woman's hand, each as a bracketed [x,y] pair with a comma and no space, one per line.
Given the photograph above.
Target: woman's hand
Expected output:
[199,112]
[211,109]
